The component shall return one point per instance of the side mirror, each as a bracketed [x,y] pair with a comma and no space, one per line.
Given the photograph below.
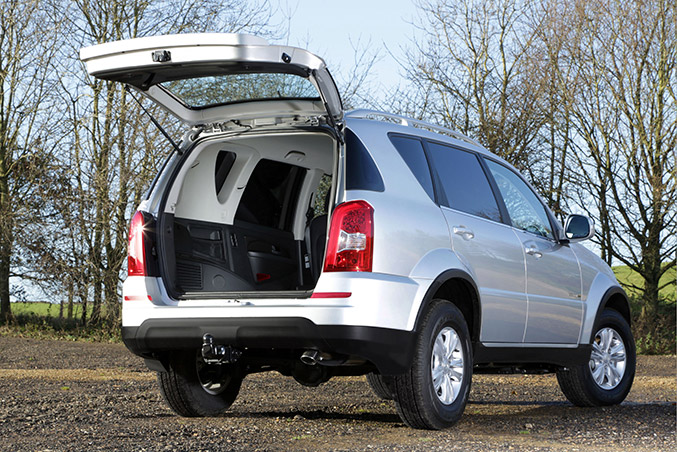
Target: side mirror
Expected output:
[578,228]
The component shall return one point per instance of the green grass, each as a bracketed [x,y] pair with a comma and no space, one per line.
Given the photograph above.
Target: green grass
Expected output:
[628,278]
[44,309]
[41,320]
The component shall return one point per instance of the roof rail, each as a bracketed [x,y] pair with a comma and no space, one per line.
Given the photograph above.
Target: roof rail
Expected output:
[410,122]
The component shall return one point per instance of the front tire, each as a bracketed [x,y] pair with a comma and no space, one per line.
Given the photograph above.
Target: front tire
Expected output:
[607,378]
[433,393]
[193,388]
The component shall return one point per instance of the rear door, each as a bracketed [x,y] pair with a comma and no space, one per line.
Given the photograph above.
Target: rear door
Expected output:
[482,241]
[553,273]
[205,78]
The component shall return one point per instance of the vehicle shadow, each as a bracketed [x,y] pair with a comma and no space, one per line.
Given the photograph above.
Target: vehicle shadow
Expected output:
[533,408]
[365,416]
[519,403]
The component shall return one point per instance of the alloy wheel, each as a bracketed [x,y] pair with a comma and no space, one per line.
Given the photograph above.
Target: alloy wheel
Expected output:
[446,365]
[608,358]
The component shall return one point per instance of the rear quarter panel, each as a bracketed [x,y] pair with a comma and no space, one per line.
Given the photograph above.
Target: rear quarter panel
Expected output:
[411,236]
[407,223]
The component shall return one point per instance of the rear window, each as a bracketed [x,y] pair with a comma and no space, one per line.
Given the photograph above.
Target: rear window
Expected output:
[213,90]
[361,171]
[464,183]
[271,194]
[411,151]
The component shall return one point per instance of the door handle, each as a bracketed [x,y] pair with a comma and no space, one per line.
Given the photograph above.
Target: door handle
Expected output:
[533,251]
[461,230]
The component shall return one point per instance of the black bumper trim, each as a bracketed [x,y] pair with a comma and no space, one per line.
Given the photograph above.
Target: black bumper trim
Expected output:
[390,350]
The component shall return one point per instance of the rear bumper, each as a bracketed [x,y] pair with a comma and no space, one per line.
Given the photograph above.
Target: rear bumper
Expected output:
[376,300]
[390,350]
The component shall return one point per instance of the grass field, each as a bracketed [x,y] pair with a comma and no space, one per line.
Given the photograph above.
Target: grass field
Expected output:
[628,277]
[44,309]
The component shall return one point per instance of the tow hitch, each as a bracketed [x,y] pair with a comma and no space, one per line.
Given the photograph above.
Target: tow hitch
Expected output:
[218,354]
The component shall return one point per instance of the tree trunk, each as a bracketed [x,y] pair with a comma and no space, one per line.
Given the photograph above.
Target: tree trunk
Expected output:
[111,294]
[5,306]
[83,302]
[70,299]
[6,234]
[651,272]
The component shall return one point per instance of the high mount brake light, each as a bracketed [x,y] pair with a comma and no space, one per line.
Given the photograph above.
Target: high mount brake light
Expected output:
[351,238]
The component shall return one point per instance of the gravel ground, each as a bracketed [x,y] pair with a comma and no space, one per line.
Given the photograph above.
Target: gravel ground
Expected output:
[74,396]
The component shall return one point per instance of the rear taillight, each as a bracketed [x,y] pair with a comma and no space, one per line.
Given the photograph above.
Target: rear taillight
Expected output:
[137,262]
[351,238]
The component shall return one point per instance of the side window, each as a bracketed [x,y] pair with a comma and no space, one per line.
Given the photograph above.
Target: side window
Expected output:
[361,171]
[271,194]
[464,183]
[411,150]
[224,163]
[525,209]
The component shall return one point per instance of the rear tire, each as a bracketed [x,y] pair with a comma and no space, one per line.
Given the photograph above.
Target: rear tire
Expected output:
[379,384]
[442,348]
[195,389]
[607,378]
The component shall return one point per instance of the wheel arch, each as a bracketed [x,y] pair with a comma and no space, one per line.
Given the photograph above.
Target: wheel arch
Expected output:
[449,285]
[614,298]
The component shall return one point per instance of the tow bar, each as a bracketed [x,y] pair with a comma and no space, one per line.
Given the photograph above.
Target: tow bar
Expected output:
[218,354]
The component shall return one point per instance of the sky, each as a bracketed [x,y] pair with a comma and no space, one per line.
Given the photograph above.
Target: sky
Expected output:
[331,30]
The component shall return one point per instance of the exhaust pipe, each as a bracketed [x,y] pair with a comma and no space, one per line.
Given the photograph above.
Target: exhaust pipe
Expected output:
[310,357]
[315,357]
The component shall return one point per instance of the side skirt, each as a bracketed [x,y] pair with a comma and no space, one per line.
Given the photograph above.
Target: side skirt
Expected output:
[521,359]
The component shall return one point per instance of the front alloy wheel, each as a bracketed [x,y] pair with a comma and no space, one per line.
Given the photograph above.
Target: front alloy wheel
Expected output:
[607,377]
[607,361]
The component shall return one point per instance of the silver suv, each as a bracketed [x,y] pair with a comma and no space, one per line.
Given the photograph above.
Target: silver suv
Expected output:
[284,234]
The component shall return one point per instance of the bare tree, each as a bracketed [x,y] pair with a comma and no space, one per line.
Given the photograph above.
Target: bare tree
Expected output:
[472,71]
[625,116]
[27,42]
[113,151]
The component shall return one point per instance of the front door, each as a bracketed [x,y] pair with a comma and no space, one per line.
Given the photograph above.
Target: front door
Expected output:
[555,308]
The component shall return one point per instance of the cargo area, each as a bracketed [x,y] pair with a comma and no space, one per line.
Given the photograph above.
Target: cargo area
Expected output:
[249,214]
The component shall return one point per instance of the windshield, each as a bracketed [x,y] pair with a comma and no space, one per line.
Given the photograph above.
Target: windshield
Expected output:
[213,90]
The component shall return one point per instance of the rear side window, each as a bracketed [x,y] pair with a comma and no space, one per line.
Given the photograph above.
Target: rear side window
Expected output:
[464,183]
[361,171]
[411,151]
[271,195]
[224,163]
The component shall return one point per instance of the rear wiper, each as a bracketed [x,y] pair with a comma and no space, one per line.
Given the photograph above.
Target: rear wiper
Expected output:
[154,121]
